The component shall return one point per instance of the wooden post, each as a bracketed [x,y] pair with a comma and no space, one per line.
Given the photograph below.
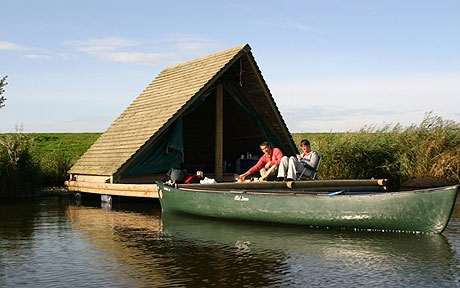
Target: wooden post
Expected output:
[219,154]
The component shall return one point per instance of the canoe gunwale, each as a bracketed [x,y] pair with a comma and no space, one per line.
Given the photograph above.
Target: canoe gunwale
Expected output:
[313,193]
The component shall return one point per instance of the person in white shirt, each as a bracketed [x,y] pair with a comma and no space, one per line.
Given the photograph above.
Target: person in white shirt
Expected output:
[290,167]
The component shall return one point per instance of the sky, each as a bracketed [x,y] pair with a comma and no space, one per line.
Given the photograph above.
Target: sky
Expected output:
[74,66]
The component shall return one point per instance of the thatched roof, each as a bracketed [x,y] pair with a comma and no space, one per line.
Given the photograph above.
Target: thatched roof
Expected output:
[164,99]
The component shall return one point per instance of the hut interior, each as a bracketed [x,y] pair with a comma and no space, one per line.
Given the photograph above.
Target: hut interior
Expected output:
[191,139]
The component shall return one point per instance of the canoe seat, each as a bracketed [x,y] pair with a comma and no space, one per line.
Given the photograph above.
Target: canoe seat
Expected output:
[314,171]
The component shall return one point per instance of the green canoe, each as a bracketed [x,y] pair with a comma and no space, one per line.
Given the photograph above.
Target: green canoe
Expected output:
[426,210]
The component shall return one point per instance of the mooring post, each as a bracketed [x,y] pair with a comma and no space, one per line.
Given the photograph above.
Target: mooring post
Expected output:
[106,198]
[106,202]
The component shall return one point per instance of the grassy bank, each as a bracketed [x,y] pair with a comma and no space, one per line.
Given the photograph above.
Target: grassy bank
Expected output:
[55,153]
[428,152]
[39,159]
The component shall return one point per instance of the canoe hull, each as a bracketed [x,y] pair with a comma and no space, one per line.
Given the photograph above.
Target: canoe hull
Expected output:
[426,210]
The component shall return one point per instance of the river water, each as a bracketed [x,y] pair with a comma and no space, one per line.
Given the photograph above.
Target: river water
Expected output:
[53,242]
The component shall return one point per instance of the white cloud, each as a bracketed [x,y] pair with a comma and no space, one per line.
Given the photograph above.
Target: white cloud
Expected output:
[37,56]
[324,118]
[137,57]
[167,50]
[103,44]
[404,90]
[5,45]
[183,42]
[25,51]
[350,104]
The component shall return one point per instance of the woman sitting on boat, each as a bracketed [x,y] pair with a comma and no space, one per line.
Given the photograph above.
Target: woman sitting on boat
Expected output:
[305,164]
[267,164]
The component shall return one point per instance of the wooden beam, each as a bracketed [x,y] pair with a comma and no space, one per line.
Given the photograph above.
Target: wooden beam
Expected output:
[219,148]
[128,190]
[291,184]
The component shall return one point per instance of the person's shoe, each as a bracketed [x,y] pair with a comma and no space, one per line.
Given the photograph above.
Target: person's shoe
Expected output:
[289,179]
[280,179]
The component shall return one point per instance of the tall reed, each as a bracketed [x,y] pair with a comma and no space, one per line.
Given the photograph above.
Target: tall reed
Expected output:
[429,150]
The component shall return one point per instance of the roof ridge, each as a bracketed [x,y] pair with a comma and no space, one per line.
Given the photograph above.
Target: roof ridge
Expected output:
[239,47]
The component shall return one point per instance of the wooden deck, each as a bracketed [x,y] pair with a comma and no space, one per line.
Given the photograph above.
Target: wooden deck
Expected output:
[151,190]
[128,190]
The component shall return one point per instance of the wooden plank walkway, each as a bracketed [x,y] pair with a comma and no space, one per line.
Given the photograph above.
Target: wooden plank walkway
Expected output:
[151,190]
[129,190]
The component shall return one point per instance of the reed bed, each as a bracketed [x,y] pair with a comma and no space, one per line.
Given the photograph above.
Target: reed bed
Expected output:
[424,154]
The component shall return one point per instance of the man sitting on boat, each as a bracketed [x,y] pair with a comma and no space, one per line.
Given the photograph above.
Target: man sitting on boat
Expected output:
[267,164]
[291,168]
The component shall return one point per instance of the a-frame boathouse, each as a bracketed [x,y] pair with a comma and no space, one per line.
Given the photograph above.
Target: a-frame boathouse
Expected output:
[199,115]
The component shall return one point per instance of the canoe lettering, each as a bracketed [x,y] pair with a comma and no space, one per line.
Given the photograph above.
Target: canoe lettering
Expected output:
[240,198]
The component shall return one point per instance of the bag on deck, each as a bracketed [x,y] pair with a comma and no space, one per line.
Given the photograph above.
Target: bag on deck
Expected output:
[176,175]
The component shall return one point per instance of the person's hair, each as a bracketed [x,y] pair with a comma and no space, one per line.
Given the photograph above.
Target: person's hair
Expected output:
[266,144]
[305,142]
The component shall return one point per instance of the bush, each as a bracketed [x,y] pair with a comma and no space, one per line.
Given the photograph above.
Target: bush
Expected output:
[19,173]
[30,161]
[54,166]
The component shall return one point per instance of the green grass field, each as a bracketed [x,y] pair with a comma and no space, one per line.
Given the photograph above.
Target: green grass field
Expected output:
[55,153]
[72,145]
[39,159]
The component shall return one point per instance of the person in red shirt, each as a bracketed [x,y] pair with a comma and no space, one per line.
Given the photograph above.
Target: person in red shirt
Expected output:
[267,164]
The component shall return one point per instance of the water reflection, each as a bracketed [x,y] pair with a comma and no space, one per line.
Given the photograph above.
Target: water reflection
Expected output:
[52,242]
[332,252]
[14,227]
[138,241]
[177,250]
[289,239]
